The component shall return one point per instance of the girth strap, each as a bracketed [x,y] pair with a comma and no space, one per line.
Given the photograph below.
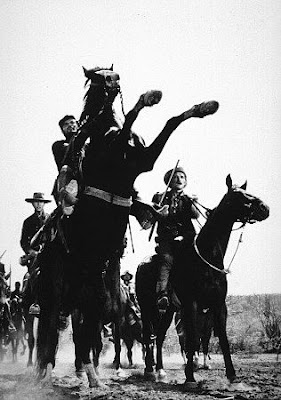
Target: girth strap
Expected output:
[108,197]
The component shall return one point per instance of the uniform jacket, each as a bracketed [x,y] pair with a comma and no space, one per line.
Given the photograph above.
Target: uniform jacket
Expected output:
[59,149]
[31,225]
[178,222]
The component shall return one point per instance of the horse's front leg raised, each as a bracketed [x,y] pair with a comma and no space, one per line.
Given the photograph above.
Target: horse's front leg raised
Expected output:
[197,111]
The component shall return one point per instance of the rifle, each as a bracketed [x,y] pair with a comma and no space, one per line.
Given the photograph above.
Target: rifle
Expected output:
[2,254]
[163,197]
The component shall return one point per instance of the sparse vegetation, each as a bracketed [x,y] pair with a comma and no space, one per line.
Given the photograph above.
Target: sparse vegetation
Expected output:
[253,325]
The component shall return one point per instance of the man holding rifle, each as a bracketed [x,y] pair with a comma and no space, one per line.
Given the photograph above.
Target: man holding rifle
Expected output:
[177,212]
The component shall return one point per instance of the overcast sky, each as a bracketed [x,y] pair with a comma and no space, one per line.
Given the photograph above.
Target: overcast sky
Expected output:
[191,50]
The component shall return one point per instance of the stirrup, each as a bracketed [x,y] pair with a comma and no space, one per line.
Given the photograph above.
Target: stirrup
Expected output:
[205,108]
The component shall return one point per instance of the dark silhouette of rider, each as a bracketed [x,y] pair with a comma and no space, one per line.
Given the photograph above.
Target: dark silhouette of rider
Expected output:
[17,292]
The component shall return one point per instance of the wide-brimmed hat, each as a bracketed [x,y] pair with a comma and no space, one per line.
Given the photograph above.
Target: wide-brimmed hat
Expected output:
[126,276]
[168,174]
[37,196]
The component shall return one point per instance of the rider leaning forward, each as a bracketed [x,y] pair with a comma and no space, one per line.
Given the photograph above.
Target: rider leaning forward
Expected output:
[176,224]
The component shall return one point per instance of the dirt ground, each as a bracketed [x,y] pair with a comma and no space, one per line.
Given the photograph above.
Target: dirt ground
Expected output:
[260,377]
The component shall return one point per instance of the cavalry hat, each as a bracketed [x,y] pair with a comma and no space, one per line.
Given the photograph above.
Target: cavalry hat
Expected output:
[168,174]
[37,196]
[126,276]
[65,118]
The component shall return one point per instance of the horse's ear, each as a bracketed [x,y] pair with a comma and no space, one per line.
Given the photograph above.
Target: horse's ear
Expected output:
[111,67]
[86,72]
[244,186]
[229,181]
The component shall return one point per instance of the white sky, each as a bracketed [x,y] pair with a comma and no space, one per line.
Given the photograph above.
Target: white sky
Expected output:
[191,50]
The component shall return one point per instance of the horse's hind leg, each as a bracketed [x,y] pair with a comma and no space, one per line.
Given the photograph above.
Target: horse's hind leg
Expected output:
[47,344]
[89,329]
[75,320]
[30,339]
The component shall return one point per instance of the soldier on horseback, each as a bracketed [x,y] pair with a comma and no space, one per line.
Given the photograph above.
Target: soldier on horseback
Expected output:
[178,211]
[5,308]
[31,226]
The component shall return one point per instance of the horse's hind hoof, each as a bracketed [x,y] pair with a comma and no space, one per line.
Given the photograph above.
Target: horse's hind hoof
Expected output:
[152,97]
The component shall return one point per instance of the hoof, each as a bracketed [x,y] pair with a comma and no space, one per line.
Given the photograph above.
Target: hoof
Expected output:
[205,108]
[190,386]
[121,373]
[152,97]
[97,385]
[47,379]
[80,374]
[161,374]
[233,379]
[149,376]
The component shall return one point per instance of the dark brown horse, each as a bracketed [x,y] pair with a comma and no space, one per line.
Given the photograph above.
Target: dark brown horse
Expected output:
[199,279]
[113,159]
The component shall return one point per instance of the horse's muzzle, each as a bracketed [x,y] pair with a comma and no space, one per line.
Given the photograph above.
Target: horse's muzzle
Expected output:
[261,211]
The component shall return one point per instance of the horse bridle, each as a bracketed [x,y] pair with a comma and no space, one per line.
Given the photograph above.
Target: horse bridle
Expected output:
[246,219]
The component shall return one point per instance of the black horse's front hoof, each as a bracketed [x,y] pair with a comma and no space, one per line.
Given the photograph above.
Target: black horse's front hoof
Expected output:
[149,376]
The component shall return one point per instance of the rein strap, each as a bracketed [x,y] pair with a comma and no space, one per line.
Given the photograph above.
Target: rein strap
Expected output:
[222,271]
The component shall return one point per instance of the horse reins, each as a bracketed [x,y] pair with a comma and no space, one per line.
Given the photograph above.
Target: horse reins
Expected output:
[223,271]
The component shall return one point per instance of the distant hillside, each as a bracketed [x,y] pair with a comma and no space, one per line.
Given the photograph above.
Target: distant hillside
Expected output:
[248,317]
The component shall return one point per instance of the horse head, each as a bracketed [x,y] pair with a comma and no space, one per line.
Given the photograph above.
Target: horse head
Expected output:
[245,207]
[103,88]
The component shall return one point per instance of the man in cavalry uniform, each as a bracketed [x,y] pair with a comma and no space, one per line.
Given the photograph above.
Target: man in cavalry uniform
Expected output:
[175,225]
[31,226]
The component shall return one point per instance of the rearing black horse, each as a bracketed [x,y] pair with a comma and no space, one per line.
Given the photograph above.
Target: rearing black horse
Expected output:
[72,265]
[198,279]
